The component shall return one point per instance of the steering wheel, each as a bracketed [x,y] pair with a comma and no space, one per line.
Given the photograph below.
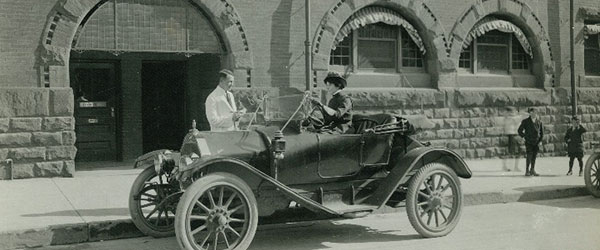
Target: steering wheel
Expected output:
[316,122]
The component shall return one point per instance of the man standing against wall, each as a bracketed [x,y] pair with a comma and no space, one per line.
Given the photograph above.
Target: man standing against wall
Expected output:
[532,130]
[220,107]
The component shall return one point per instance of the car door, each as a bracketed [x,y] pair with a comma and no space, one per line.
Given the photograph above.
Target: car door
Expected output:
[339,155]
[375,149]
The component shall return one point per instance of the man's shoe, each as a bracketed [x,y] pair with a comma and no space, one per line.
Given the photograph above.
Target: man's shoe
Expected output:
[570,172]
[533,173]
[527,173]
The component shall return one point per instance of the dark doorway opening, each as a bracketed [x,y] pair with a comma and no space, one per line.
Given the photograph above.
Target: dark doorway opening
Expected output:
[95,87]
[163,104]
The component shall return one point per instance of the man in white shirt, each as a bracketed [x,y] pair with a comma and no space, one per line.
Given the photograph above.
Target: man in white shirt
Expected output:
[220,107]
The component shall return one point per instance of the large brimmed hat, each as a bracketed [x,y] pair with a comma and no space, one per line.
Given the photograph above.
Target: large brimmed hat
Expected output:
[335,77]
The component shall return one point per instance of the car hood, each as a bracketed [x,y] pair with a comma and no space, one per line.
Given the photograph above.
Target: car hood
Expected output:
[237,144]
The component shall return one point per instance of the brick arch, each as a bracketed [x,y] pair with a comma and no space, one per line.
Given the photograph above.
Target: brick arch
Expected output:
[415,11]
[519,14]
[66,16]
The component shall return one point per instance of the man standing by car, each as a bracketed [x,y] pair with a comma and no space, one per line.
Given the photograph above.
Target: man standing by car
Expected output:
[220,107]
[532,130]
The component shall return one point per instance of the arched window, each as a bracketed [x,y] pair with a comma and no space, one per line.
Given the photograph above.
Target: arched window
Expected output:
[496,47]
[592,49]
[375,39]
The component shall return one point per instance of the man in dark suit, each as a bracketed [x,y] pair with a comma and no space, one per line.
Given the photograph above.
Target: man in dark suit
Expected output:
[533,131]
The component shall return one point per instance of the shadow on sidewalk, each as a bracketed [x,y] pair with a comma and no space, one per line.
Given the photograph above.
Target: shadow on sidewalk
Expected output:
[319,235]
[548,192]
[85,212]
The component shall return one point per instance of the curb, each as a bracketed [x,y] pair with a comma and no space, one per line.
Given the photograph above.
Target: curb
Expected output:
[120,229]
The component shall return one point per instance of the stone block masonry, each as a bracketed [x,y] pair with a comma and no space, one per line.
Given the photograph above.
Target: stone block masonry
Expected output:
[37,132]
[471,121]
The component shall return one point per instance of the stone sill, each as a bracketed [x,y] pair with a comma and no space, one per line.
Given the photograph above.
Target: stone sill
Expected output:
[389,80]
[589,81]
[496,81]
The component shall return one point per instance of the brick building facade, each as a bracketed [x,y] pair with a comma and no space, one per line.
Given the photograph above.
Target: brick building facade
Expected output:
[105,66]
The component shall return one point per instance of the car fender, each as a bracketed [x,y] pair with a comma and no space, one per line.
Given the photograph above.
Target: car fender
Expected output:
[147,159]
[252,176]
[407,165]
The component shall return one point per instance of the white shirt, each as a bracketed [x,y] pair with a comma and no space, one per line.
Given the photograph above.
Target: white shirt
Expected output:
[218,111]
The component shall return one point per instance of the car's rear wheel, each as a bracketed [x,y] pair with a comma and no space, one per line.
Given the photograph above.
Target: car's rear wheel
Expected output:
[434,200]
[152,204]
[591,175]
[218,211]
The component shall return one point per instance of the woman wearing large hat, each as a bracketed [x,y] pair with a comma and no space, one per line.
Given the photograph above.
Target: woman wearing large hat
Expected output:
[337,115]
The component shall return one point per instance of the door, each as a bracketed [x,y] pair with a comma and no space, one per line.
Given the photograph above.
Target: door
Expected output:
[163,105]
[95,89]
[339,155]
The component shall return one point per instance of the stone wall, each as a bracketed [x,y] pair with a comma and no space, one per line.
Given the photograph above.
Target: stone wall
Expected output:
[36,132]
[471,121]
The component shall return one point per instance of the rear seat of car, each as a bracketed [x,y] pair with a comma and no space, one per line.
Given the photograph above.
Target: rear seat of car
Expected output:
[360,123]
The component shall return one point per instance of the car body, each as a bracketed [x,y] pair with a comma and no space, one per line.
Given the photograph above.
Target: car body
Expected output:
[280,166]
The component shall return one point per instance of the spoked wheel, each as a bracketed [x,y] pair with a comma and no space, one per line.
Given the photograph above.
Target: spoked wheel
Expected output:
[218,211]
[152,204]
[591,174]
[434,200]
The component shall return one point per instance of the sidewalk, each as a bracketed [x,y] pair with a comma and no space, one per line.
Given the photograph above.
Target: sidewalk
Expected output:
[92,206]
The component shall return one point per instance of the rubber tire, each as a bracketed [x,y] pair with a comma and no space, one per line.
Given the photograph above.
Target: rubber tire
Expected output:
[138,218]
[412,195]
[199,187]
[587,172]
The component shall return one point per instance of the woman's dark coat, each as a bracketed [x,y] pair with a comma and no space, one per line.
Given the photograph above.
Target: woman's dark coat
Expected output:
[574,139]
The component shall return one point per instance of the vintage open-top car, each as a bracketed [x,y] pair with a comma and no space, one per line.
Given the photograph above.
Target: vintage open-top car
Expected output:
[212,192]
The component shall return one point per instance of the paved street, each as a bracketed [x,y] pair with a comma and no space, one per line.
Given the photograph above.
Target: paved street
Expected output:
[521,225]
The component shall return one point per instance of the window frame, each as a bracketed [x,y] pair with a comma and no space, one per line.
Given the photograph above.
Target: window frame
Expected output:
[398,68]
[597,49]
[473,69]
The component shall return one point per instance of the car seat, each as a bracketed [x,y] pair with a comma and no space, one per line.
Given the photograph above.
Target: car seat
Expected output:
[360,123]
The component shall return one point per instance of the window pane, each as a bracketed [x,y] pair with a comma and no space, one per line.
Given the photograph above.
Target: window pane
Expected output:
[411,55]
[465,58]
[520,60]
[341,54]
[592,55]
[376,54]
[492,58]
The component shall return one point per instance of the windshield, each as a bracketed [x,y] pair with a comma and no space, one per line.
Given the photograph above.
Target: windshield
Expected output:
[276,110]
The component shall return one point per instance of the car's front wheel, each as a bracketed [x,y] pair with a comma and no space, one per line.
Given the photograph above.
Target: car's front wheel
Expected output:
[218,211]
[151,199]
[434,200]
[592,176]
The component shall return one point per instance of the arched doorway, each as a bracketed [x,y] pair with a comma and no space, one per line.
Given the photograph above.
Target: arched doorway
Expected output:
[140,71]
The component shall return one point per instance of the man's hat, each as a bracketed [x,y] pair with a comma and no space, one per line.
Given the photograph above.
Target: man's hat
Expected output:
[529,110]
[335,77]
[575,118]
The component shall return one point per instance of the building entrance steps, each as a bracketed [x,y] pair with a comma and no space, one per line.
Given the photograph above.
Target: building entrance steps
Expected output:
[93,205]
